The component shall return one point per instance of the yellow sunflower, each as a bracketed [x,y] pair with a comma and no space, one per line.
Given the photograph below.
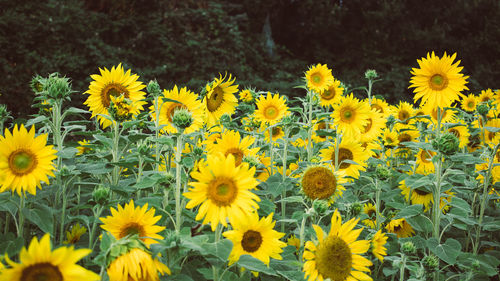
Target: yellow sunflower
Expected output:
[319,126]
[390,138]
[254,237]
[263,173]
[378,242]
[114,82]
[319,78]
[404,111]
[220,99]
[186,100]
[374,127]
[490,136]
[381,106]
[406,133]
[331,95]
[76,232]
[133,220]
[370,210]
[136,265]
[25,160]
[39,262]
[84,147]
[350,115]
[446,114]
[418,196]
[231,142]
[349,149]
[438,81]
[469,103]
[276,132]
[400,227]
[293,241]
[424,162]
[320,182]
[485,96]
[222,190]
[271,109]
[247,96]
[338,255]
[461,132]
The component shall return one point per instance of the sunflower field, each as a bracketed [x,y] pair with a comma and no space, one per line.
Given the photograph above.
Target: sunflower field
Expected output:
[229,183]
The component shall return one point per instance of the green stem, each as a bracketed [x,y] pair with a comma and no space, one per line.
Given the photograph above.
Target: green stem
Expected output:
[20,228]
[97,214]
[369,91]
[271,144]
[377,203]
[436,210]
[283,192]
[302,232]
[310,127]
[178,167]
[402,268]
[63,213]
[218,233]
[115,176]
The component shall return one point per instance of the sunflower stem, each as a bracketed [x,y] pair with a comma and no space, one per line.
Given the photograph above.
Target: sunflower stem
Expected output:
[437,192]
[310,127]
[271,144]
[63,213]
[115,151]
[178,167]
[302,232]
[97,213]
[283,192]
[402,268]
[20,228]
[377,202]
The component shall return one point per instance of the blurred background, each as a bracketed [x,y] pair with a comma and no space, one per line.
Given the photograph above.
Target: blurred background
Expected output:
[265,44]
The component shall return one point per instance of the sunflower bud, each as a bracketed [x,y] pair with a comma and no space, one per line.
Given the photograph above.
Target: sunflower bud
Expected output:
[225,120]
[153,88]
[253,161]
[475,265]
[483,109]
[356,208]
[56,87]
[447,144]
[182,118]
[320,206]
[198,152]
[383,172]
[167,181]
[288,120]
[171,239]
[430,263]
[4,113]
[371,74]
[408,248]
[101,195]
[391,120]
[246,108]
[37,84]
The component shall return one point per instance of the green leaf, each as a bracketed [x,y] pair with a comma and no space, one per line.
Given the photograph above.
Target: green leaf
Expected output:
[410,211]
[292,199]
[41,216]
[420,223]
[188,162]
[448,252]
[254,264]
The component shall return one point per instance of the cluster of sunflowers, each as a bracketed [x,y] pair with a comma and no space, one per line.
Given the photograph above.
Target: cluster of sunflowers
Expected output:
[178,176]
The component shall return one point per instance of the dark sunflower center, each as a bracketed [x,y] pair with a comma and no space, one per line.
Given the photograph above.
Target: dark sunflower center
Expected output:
[485,99]
[426,156]
[22,162]
[438,82]
[215,100]
[334,259]
[41,272]
[222,191]
[344,154]
[470,104]
[403,115]
[377,107]
[491,135]
[454,132]
[114,90]
[371,213]
[251,241]
[132,229]
[319,183]
[368,125]
[171,110]
[403,138]
[420,192]
[316,78]
[328,94]
[397,228]
[237,153]
[271,112]
[276,131]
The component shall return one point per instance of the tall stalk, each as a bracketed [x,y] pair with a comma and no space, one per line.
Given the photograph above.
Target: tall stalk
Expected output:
[178,167]
[283,192]
[436,210]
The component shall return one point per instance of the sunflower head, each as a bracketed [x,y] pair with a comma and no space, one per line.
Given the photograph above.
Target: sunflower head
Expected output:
[220,98]
[469,103]
[74,235]
[271,109]
[319,182]
[350,115]
[332,94]
[136,264]
[319,78]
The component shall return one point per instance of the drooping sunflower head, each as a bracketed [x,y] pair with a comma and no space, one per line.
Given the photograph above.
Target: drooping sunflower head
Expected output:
[220,98]
[39,262]
[25,160]
[276,133]
[74,235]
[271,109]
[351,115]
[109,83]
[424,162]
[255,237]
[136,265]
[378,242]
[173,100]
[223,190]
[131,220]
[338,255]
[319,182]
[418,195]
[438,81]
[400,227]
[319,78]
[469,103]
[349,150]
[332,94]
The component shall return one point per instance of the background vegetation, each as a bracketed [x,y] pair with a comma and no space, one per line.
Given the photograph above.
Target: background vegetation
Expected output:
[265,44]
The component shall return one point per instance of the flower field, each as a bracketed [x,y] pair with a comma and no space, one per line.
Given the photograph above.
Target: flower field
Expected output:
[229,183]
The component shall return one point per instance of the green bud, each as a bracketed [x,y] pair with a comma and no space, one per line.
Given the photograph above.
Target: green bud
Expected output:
[168,181]
[182,118]
[37,84]
[356,208]
[57,87]
[447,144]
[288,120]
[320,206]
[253,161]
[225,120]
[4,113]
[246,108]
[101,194]
[371,74]
[408,248]
[391,120]
[143,148]
[383,172]
[198,152]
[430,263]
[64,171]
[475,265]
[483,109]
[153,88]
[171,239]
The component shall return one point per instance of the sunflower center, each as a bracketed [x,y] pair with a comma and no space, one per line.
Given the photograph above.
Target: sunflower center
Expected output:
[485,99]
[371,213]
[403,138]
[426,156]
[491,135]
[377,107]
[222,191]
[454,132]
[271,112]
[344,154]
[397,228]
[319,183]
[114,90]
[216,99]
[438,82]
[328,94]
[41,272]
[334,259]
[237,153]
[316,78]
[171,110]
[251,241]
[347,114]
[368,125]
[470,104]
[132,229]
[403,115]
[420,192]
[276,131]
[22,162]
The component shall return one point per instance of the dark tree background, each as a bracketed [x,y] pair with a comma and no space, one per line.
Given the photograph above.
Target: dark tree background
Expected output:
[265,44]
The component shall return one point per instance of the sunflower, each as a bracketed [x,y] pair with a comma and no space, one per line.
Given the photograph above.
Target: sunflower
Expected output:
[39,262]
[263,173]
[350,115]
[446,114]
[490,136]
[390,138]
[220,99]
[319,126]
[469,103]
[319,78]
[133,220]
[186,100]
[485,96]
[319,182]
[404,111]
[231,142]
[247,96]
[276,132]
[76,232]
[438,81]
[374,127]
[381,106]
[406,133]
[84,147]
[293,241]
[136,265]
[254,237]
[418,196]
[114,82]
[378,242]
[25,160]
[222,190]
[461,132]
[370,210]
[349,149]
[338,255]
[271,109]
[400,227]
[121,109]
[424,162]
[331,95]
